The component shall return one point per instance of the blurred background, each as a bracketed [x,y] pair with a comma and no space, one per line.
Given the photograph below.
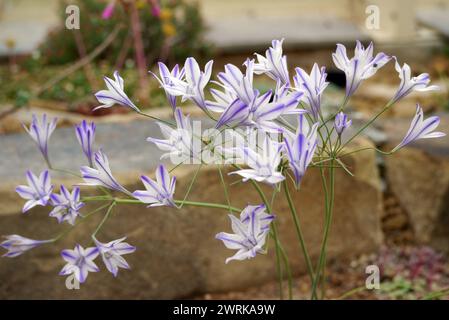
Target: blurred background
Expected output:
[396,213]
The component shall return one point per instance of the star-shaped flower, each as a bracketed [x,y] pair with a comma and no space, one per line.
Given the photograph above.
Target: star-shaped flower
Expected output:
[85,133]
[313,86]
[341,123]
[263,161]
[80,262]
[101,175]
[409,84]
[40,130]
[115,94]
[192,87]
[179,142]
[274,64]
[300,147]
[38,190]
[250,232]
[17,245]
[421,129]
[166,76]
[112,252]
[66,205]
[159,192]
[360,67]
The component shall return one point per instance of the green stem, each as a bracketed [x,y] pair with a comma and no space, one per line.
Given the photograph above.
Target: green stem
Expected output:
[66,172]
[278,260]
[327,226]
[367,148]
[189,203]
[351,292]
[299,231]
[84,218]
[387,106]
[190,186]
[105,218]
[225,189]
[279,248]
[436,295]
[156,118]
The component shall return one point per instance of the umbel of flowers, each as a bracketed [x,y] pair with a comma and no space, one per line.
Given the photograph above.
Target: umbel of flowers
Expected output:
[269,148]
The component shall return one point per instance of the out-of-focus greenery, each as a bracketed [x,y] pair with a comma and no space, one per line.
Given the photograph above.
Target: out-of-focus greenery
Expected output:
[173,35]
[179,23]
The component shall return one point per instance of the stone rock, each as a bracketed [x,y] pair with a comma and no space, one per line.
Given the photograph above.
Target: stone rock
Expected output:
[418,175]
[177,255]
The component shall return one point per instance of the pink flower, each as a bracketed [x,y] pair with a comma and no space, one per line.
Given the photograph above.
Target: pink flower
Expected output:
[108,11]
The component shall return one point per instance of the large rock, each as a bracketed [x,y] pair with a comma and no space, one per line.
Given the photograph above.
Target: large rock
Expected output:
[419,177]
[177,254]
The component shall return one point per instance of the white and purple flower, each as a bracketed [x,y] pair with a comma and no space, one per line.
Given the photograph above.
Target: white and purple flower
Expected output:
[341,123]
[313,86]
[262,160]
[222,99]
[178,143]
[250,233]
[360,67]
[85,134]
[80,262]
[409,84]
[300,147]
[101,175]
[38,190]
[40,130]
[257,110]
[290,99]
[274,64]
[165,80]
[112,252]
[66,205]
[192,87]
[115,94]
[421,129]
[159,192]
[17,245]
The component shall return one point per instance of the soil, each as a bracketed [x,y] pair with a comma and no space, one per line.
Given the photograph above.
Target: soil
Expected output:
[408,271]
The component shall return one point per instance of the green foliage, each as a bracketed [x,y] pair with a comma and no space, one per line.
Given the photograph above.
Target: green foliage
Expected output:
[180,23]
[402,288]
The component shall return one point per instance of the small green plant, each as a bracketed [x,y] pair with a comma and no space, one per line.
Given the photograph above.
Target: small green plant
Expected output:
[178,27]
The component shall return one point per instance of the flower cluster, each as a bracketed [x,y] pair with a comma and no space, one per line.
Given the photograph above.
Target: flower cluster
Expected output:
[278,134]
